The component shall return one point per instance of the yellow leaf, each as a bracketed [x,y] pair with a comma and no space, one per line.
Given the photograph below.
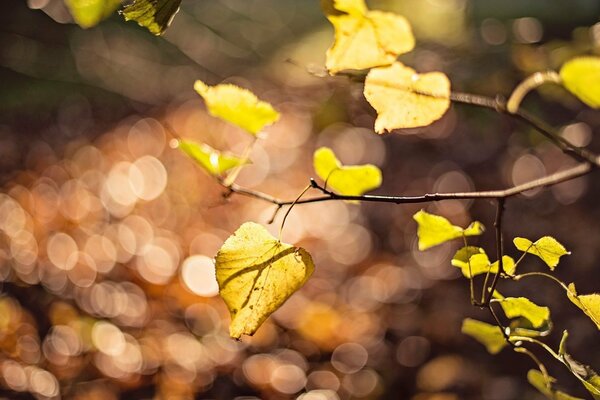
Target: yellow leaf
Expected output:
[350,180]
[581,76]
[88,13]
[154,15]
[547,248]
[405,99]
[363,38]
[237,105]
[488,335]
[257,274]
[434,230]
[515,307]
[474,261]
[213,161]
[589,303]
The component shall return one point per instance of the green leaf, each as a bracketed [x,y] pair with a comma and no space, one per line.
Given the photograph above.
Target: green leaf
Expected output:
[154,15]
[237,105]
[363,38]
[349,180]
[434,230]
[475,260]
[581,76]
[547,248]
[257,274]
[588,303]
[405,99]
[213,161]
[544,385]
[488,335]
[515,307]
[88,13]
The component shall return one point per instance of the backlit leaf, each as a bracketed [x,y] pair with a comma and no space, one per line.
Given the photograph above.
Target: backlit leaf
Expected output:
[586,375]
[523,327]
[405,99]
[434,230]
[588,303]
[488,335]
[213,161]
[515,307]
[363,38]
[257,274]
[474,261]
[88,13]
[237,105]
[581,76]
[351,180]
[154,15]
[547,248]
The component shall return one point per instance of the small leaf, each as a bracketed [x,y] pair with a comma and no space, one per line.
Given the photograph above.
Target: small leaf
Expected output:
[540,382]
[474,259]
[88,13]
[405,99]
[213,161]
[581,76]
[154,15]
[434,230]
[350,180]
[363,38]
[523,327]
[547,248]
[588,303]
[515,307]
[237,105]
[257,274]
[488,335]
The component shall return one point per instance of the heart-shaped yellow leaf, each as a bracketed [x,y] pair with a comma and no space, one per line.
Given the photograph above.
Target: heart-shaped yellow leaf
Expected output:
[405,99]
[434,230]
[363,38]
[237,105]
[581,76]
[257,274]
[213,161]
[350,180]
[547,248]
[588,303]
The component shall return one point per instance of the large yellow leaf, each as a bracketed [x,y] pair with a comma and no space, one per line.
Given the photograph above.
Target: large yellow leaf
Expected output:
[589,303]
[547,248]
[363,38]
[213,161]
[434,230]
[257,274]
[581,76]
[154,15]
[237,105]
[88,13]
[405,99]
[350,180]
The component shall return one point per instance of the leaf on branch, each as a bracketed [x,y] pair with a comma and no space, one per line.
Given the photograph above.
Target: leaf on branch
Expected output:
[257,274]
[405,99]
[237,105]
[515,307]
[88,13]
[363,38]
[588,377]
[474,261]
[547,248]
[523,327]
[544,384]
[588,303]
[488,335]
[154,15]
[434,229]
[213,161]
[349,180]
[581,76]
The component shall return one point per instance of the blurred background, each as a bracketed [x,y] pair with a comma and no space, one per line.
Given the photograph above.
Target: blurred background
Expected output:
[107,234]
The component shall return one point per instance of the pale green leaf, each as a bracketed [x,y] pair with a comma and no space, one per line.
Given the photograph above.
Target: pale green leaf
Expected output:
[88,13]
[488,335]
[237,105]
[588,303]
[257,274]
[405,99]
[434,229]
[581,76]
[363,38]
[515,307]
[154,15]
[350,180]
[213,161]
[547,248]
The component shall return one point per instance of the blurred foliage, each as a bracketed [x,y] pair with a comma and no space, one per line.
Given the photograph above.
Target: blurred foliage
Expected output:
[108,235]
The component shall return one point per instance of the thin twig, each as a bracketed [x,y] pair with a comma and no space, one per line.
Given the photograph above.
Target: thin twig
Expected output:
[499,251]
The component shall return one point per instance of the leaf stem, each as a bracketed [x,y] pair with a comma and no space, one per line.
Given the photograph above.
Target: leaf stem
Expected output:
[290,209]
